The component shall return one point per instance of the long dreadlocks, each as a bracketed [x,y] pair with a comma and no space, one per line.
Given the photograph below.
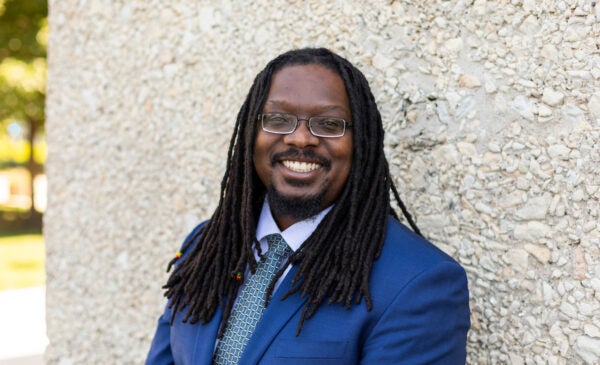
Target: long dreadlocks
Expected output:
[335,262]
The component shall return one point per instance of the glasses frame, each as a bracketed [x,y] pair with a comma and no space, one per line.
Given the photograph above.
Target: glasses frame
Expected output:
[261,118]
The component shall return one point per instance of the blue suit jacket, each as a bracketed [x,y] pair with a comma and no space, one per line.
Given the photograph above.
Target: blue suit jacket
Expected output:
[420,315]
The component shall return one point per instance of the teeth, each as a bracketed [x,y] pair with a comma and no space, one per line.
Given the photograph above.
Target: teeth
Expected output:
[301,166]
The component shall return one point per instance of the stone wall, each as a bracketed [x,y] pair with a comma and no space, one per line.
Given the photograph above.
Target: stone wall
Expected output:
[492,110]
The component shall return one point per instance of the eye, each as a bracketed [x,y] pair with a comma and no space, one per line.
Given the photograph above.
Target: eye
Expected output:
[330,124]
[279,123]
[275,120]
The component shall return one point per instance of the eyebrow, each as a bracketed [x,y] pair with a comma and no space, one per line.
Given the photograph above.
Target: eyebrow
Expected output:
[323,107]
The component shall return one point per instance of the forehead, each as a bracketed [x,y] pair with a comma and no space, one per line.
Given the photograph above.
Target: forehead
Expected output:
[308,87]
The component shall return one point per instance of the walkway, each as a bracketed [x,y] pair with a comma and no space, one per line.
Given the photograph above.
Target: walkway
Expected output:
[23,326]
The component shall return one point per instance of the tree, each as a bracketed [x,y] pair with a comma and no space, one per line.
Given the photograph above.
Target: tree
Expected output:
[23,41]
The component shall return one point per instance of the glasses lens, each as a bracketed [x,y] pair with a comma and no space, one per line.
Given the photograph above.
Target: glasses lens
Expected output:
[278,123]
[327,126]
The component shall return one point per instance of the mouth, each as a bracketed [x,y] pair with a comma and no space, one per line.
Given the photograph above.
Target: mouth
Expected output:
[300,166]
[301,161]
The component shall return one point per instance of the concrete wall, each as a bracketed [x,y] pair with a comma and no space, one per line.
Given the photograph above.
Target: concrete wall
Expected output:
[492,110]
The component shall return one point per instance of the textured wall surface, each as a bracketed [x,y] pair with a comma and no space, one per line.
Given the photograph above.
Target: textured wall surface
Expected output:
[492,110]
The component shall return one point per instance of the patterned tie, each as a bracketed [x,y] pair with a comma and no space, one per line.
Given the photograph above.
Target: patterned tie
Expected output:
[251,303]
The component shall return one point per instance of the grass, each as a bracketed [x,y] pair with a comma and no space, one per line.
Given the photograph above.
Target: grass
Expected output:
[22,257]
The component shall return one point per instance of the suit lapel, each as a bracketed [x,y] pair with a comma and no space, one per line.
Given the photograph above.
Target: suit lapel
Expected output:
[205,340]
[275,316]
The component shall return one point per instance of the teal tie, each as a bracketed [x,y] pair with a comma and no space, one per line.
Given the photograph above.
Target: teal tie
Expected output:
[251,303]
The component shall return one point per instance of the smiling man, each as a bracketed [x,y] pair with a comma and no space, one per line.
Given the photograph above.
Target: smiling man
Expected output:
[304,260]
[304,172]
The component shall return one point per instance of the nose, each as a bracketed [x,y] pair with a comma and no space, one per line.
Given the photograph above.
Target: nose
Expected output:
[301,137]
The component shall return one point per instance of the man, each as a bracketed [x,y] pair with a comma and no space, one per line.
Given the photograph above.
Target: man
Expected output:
[304,260]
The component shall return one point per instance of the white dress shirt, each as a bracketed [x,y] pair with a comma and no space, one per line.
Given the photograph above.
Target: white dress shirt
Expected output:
[294,235]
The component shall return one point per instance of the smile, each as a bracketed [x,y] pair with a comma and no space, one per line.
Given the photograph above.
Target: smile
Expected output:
[298,166]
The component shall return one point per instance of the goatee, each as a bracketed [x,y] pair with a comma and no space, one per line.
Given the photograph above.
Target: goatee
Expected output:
[297,208]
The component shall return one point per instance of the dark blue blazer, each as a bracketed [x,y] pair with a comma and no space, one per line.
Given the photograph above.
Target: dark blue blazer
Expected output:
[420,315]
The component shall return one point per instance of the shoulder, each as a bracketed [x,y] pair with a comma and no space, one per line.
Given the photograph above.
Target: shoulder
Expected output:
[190,241]
[194,233]
[406,256]
[192,238]
[420,303]
[403,242]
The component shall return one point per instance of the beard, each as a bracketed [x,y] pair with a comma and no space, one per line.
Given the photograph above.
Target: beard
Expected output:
[297,208]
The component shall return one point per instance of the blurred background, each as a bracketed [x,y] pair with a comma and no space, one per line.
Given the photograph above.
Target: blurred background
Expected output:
[23,43]
[492,127]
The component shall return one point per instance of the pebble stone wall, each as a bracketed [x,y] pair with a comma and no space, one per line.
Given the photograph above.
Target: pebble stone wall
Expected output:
[492,112]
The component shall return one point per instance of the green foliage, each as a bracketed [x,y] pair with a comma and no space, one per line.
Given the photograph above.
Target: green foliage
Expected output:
[16,151]
[23,41]
[20,24]
[22,89]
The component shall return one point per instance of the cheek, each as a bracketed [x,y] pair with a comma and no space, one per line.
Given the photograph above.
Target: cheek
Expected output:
[346,169]
[343,156]
[261,157]
[259,163]
[344,153]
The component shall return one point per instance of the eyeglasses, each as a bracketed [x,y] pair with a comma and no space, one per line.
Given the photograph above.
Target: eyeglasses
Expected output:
[321,126]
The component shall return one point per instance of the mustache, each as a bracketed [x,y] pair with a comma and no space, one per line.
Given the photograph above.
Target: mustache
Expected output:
[297,154]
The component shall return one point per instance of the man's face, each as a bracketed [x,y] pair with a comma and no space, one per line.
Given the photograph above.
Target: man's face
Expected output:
[301,168]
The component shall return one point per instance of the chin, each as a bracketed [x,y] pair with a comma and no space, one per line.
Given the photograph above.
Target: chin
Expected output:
[299,207]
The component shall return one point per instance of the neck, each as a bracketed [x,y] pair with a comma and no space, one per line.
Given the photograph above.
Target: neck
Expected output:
[284,221]
[287,211]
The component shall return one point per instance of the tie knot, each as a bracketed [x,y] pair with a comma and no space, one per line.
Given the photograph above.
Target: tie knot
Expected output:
[278,246]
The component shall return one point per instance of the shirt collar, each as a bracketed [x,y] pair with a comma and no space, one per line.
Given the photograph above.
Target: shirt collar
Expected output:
[294,235]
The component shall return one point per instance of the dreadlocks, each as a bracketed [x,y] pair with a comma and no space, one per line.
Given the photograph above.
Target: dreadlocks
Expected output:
[335,262]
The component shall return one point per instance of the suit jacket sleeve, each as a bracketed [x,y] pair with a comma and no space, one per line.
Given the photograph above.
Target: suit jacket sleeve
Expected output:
[426,323]
[160,350]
